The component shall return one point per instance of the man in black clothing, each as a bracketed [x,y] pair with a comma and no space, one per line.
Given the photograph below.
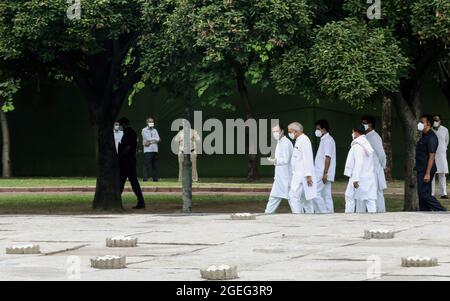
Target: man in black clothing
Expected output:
[425,165]
[127,161]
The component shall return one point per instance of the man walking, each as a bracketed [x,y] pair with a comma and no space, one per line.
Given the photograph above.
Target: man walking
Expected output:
[302,188]
[282,162]
[441,156]
[325,167]
[150,140]
[379,160]
[361,192]
[425,165]
[127,161]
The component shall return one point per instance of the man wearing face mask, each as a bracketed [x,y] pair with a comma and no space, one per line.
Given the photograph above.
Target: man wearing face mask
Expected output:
[282,179]
[150,140]
[127,161]
[441,156]
[379,160]
[118,134]
[361,192]
[302,189]
[425,165]
[325,166]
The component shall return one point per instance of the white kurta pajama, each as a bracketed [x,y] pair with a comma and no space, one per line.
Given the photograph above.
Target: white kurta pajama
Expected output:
[283,175]
[323,203]
[379,165]
[441,160]
[302,163]
[359,167]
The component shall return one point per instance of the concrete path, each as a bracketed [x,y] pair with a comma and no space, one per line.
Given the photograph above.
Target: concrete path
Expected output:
[276,247]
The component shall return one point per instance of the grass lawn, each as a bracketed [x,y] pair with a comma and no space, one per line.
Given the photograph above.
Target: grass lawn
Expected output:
[168,182]
[81,204]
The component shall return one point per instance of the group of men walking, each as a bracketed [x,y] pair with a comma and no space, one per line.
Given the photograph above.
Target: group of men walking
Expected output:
[306,182]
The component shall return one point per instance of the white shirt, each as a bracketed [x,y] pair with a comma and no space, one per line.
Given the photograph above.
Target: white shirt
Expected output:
[302,164]
[441,153]
[117,138]
[359,167]
[379,157]
[327,147]
[283,174]
[150,134]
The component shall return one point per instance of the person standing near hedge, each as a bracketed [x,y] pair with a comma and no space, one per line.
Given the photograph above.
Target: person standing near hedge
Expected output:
[150,140]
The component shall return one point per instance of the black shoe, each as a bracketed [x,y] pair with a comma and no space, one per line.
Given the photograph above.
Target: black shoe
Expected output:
[144,180]
[139,207]
[155,180]
[444,197]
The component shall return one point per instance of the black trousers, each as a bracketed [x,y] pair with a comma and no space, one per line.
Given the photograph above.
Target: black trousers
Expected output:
[427,202]
[128,171]
[150,159]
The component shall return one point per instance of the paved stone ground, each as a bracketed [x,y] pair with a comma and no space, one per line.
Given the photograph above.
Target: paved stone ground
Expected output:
[276,247]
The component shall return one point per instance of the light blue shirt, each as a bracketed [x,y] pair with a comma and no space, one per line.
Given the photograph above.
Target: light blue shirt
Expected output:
[150,134]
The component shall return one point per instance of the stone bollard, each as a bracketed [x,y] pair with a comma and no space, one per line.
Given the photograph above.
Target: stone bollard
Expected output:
[378,234]
[109,262]
[221,272]
[24,249]
[121,242]
[243,216]
[417,261]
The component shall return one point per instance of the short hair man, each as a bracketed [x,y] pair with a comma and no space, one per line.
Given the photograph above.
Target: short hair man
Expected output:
[441,156]
[325,168]
[127,161]
[426,166]
[150,140]
[283,174]
[376,142]
[303,189]
[118,134]
[361,192]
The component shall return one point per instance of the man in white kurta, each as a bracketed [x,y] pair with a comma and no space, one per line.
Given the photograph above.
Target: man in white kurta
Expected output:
[379,160]
[283,173]
[303,189]
[359,167]
[441,157]
[325,167]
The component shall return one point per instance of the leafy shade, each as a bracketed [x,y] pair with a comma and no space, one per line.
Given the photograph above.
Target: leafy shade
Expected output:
[8,87]
[353,63]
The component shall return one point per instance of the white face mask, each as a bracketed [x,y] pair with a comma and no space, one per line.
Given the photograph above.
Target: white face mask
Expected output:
[117,127]
[151,124]
[276,135]
[366,126]
[420,126]
[353,136]
[292,136]
[318,133]
[436,124]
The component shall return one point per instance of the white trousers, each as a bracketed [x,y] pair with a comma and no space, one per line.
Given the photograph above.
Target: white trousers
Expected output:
[323,203]
[442,184]
[273,204]
[298,201]
[360,206]
[381,205]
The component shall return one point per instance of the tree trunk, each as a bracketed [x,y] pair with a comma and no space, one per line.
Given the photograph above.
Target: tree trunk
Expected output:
[187,164]
[386,133]
[6,160]
[252,163]
[409,113]
[107,192]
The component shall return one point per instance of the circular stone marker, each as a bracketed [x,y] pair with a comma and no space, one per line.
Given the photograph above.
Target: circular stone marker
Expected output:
[378,234]
[121,242]
[24,249]
[417,261]
[221,272]
[243,216]
[109,262]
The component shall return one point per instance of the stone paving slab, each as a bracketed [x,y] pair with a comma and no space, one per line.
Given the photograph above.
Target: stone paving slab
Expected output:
[272,247]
